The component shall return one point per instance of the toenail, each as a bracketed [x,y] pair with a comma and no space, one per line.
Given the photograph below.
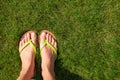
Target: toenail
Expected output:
[43,33]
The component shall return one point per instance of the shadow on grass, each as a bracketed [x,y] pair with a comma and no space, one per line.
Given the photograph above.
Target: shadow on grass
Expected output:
[38,75]
[63,74]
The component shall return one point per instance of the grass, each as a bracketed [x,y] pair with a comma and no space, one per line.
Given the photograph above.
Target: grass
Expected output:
[88,34]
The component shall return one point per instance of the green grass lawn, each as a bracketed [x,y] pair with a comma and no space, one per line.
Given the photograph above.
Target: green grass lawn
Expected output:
[88,34]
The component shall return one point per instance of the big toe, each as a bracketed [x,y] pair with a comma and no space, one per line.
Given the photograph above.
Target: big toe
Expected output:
[42,38]
[34,37]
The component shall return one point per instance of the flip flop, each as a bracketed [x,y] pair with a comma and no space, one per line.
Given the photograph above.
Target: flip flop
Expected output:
[47,43]
[26,44]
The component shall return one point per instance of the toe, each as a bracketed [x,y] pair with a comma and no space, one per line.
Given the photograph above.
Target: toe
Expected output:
[34,37]
[42,38]
[47,37]
[52,41]
[22,42]
[28,36]
[25,38]
[50,38]
[55,44]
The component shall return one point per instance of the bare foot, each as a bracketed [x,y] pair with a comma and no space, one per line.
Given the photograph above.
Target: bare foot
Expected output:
[48,56]
[27,56]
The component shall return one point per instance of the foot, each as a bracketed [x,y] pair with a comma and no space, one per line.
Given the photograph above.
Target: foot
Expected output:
[27,56]
[48,56]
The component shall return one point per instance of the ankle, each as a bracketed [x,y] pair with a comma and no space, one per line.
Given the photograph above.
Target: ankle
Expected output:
[26,73]
[47,67]
[48,72]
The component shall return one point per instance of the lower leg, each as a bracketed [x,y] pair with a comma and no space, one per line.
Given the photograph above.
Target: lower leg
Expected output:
[48,71]
[27,72]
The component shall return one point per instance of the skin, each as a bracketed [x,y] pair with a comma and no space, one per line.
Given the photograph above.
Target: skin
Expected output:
[48,57]
[28,56]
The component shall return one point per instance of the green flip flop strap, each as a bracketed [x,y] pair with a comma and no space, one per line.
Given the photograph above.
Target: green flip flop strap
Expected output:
[50,45]
[26,44]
